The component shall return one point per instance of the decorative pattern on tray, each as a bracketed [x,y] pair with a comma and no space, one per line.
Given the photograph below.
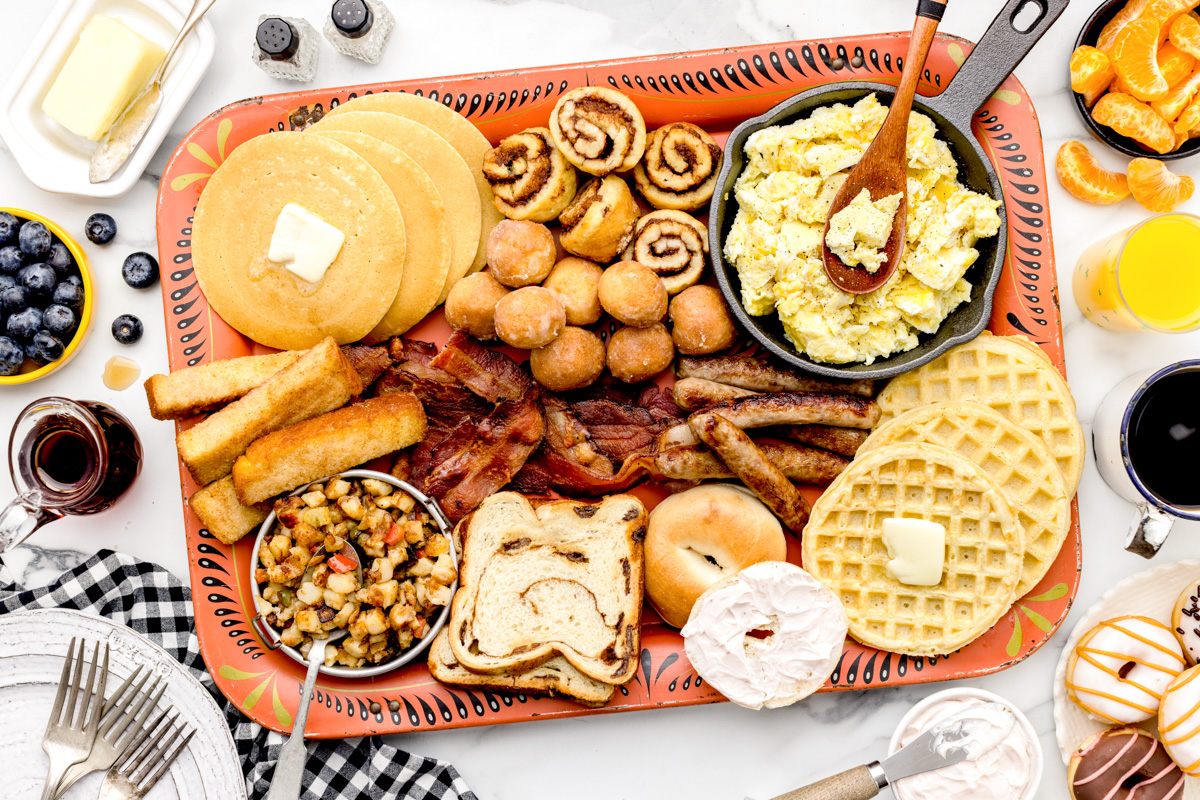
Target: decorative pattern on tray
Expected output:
[716,89]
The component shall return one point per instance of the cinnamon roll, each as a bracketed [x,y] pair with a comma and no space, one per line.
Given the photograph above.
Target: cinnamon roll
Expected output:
[672,243]
[530,179]
[598,130]
[680,167]
[599,223]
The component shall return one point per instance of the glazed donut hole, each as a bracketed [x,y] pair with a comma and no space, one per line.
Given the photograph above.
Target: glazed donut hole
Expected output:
[520,252]
[572,361]
[576,282]
[529,318]
[700,321]
[639,354]
[633,294]
[471,305]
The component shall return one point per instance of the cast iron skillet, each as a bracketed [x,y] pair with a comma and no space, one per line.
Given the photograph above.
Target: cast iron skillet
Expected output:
[998,53]
[1089,34]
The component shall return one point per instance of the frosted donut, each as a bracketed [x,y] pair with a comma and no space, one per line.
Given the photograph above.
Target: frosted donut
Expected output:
[1120,669]
[1185,619]
[768,636]
[1123,764]
[1179,720]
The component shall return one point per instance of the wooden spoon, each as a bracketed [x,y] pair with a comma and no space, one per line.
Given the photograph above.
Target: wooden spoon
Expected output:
[883,169]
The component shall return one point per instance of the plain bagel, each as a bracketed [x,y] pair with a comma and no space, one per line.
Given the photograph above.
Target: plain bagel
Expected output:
[699,537]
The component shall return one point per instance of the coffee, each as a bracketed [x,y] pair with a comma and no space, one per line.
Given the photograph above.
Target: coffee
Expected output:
[1164,439]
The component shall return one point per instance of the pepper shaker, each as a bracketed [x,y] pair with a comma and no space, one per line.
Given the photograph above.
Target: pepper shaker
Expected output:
[286,47]
[359,28]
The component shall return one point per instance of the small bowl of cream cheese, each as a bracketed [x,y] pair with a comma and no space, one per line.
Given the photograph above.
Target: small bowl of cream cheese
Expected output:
[1010,771]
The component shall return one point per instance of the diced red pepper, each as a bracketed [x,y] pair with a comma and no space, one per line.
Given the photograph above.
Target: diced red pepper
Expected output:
[340,563]
[394,534]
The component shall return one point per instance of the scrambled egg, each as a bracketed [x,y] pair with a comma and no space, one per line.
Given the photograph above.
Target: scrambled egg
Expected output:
[859,232]
[784,193]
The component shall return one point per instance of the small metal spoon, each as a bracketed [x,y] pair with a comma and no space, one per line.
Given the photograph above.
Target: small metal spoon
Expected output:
[289,770]
[883,169]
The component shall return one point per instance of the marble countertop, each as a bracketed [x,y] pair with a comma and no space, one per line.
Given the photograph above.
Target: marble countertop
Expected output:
[718,751]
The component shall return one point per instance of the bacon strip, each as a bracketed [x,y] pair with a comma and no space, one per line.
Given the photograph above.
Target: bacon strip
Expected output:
[796,408]
[369,362]
[486,372]
[764,375]
[754,469]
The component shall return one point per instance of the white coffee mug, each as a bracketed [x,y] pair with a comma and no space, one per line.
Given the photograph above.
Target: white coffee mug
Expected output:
[1110,440]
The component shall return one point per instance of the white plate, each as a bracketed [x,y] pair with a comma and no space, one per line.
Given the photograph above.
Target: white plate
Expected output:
[56,159]
[1149,594]
[32,647]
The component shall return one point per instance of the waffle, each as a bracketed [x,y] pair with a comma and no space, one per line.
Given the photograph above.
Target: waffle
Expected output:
[1015,459]
[1003,373]
[844,549]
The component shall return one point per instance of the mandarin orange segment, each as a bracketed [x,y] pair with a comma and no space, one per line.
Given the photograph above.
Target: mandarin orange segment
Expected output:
[1135,57]
[1156,188]
[1108,34]
[1178,98]
[1188,123]
[1081,174]
[1091,73]
[1176,65]
[1135,120]
[1163,13]
[1185,35]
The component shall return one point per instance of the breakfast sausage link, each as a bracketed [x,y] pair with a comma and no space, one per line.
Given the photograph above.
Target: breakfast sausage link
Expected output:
[693,463]
[762,375]
[843,441]
[753,468]
[694,394]
[797,408]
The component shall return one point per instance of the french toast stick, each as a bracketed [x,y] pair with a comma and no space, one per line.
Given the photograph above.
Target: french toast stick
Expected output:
[218,508]
[328,444]
[195,390]
[319,381]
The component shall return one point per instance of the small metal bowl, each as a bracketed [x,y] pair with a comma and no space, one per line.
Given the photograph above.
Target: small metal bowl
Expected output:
[1089,35]
[270,636]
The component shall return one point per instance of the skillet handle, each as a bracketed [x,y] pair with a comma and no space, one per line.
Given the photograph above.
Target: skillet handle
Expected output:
[998,53]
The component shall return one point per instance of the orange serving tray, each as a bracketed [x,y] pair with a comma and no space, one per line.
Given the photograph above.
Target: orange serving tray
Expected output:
[716,89]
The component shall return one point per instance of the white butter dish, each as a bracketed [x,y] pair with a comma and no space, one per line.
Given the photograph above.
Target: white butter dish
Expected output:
[52,157]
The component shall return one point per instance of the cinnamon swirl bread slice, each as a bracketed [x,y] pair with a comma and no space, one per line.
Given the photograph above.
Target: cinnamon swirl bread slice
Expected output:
[564,578]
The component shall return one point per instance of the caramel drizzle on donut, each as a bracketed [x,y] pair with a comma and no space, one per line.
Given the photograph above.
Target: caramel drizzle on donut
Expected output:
[1141,789]
[1089,654]
[1164,730]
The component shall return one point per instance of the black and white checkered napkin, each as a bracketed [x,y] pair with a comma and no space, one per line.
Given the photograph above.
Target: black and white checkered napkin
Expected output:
[154,603]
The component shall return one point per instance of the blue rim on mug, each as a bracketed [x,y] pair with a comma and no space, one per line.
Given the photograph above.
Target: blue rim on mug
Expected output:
[1154,500]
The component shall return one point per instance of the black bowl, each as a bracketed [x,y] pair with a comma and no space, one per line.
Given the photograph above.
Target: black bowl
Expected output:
[1122,144]
[975,172]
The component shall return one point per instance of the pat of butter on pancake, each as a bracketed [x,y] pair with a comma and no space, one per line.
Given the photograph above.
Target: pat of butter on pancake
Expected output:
[917,548]
[304,244]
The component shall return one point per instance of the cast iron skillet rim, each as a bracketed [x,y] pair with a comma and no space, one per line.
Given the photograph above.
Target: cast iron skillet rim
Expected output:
[1088,35]
[929,350]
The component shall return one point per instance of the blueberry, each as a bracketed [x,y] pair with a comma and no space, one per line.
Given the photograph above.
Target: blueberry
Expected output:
[127,329]
[100,228]
[11,259]
[7,282]
[60,259]
[9,225]
[24,324]
[68,294]
[140,270]
[74,280]
[45,348]
[12,356]
[13,299]
[35,240]
[59,320]
[38,281]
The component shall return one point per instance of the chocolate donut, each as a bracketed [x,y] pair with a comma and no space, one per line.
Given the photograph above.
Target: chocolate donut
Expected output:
[1124,764]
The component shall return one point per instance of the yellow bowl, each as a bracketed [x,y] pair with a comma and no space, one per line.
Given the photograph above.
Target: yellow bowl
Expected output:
[85,315]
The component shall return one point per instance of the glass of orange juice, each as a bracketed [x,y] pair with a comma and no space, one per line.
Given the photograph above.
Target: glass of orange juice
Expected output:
[1145,278]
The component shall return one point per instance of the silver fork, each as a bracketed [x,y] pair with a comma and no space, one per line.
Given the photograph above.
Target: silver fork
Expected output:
[69,736]
[146,760]
[125,714]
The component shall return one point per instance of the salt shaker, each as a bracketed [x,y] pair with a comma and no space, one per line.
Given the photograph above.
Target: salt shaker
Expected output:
[286,47]
[359,28]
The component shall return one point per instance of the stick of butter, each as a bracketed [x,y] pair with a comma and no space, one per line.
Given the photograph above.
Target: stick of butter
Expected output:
[917,548]
[304,244]
[107,68]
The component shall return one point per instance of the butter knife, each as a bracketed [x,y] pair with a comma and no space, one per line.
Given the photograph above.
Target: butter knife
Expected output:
[125,134]
[956,739]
